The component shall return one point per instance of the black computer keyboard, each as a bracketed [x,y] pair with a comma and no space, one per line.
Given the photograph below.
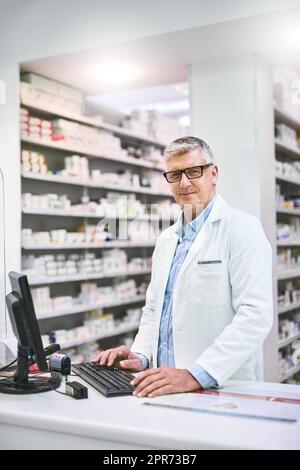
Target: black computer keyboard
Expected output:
[110,381]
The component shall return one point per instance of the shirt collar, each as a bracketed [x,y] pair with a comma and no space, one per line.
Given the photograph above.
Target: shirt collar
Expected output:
[187,231]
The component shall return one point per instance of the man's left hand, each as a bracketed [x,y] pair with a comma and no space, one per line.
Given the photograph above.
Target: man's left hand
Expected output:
[163,381]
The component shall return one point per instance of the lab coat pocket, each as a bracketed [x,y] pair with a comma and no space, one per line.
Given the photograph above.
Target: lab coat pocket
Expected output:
[208,283]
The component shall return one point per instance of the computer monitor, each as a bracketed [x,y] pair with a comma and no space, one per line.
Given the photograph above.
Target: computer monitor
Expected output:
[30,347]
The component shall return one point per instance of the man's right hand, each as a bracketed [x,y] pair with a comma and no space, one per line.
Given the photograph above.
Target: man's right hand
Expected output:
[120,357]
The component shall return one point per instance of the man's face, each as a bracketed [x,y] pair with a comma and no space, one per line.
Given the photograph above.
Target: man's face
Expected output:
[196,192]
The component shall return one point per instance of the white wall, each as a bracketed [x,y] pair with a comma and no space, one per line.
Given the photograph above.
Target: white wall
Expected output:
[223,113]
[10,165]
[34,29]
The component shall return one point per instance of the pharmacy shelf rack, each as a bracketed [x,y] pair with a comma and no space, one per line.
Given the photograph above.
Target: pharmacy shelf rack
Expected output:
[290,373]
[290,152]
[62,149]
[89,307]
[287,308]
[288,274]
[41,280]
[92,215]
[286,341]
[288,179]
[117,331]
[82,150]
[117,130]
[85,246]
[90,184]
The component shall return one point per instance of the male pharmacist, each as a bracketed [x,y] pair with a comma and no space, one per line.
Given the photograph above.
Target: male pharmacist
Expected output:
[209,303]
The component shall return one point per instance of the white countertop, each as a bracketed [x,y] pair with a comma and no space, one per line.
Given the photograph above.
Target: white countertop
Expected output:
[124,422]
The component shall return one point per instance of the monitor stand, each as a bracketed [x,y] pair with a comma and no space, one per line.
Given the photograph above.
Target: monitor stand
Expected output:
[21,384]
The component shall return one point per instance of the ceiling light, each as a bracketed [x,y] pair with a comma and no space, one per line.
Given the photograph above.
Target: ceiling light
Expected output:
[114,73]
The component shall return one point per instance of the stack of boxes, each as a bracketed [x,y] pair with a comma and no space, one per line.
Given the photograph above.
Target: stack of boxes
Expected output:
[113,262]
[288,294]
[289,328]
[154,125]
[288,201]
[77,167]
[34,127]
[287,91]
[40,91]
[287,259]
[33,162]
[96,323]
[288,232]
[90,293]
[114,206]
[93,140]
[287,169]
[287,135]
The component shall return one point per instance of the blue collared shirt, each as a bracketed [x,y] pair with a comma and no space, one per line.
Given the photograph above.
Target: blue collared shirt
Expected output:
[165,356]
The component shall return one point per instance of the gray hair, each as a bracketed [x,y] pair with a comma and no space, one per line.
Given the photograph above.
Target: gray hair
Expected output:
[188,144]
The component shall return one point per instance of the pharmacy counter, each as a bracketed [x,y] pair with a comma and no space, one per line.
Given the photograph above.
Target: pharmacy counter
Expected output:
[53,421]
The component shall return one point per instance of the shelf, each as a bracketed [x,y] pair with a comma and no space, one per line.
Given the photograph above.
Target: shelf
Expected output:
[286,118]
[90,184]
[60,145]
[85,246]
[290,373]
[90,121]
[288,243]
[286,341]
[118,331]
[37,281]
[87,307]
[61,213]
[292,152]
[288,179]
[288,274]
[293,212]
[88,215]
[288,308]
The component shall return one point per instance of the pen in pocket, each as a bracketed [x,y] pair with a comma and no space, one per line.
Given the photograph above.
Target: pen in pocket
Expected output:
[213,261]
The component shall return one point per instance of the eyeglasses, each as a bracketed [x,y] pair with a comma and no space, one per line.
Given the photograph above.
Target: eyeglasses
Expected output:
[191,173]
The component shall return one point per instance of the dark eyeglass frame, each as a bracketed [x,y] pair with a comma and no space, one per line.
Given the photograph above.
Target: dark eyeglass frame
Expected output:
[202,167]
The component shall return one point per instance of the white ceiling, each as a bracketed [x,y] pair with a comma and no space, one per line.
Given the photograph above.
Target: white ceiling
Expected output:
[164,59]
[34,29]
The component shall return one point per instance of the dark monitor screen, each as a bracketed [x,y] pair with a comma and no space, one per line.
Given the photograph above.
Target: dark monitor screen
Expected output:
[23,319]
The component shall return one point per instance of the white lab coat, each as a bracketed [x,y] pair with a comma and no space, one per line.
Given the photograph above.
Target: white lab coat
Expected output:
[222,312]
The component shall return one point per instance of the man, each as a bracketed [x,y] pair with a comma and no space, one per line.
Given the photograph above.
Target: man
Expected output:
[209,302]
